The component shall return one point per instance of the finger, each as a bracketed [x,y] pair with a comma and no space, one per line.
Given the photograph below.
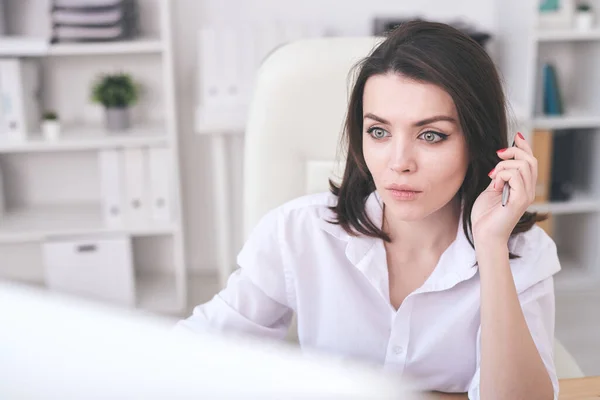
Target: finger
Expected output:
[516,184]
[515,153]
[521,143]
[524,168]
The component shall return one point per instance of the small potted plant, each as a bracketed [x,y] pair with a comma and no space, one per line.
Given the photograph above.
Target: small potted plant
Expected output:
[50,125]
[584,17]
[117,93]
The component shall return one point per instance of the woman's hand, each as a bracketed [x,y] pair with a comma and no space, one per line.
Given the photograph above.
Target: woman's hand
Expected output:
[491,221]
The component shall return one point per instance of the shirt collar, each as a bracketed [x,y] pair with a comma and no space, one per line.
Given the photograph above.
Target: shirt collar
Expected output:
[457,263]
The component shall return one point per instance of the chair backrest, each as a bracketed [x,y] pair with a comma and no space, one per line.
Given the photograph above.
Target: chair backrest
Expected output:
[294,125]
[295,120]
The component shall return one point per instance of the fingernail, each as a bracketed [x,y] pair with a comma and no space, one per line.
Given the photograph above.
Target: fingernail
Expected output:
[492,171]
[519,135]
[501,151]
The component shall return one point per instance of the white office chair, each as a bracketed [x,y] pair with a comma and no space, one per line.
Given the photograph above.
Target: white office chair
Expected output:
[296,116]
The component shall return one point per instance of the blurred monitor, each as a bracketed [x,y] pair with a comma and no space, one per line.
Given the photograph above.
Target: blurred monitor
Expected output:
[58,347]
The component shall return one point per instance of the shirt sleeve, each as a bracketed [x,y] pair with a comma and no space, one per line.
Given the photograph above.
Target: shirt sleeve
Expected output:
[537,303]
[256,298]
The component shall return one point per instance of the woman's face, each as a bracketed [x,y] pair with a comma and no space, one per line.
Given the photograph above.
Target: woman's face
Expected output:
[413,145]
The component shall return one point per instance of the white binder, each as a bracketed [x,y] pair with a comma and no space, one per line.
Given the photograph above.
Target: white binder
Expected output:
[210,85]
[249,61]
[160,188]
[110,166]
[19,84]
[230,66]
[136,187]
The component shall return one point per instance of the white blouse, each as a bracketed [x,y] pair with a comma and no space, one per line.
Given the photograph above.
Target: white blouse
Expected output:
[296,262]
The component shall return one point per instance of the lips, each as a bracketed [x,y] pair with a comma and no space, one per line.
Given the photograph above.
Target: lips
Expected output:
[403,192]
[403,188]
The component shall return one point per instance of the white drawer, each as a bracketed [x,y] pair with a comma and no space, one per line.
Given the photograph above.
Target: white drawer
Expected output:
[97,267]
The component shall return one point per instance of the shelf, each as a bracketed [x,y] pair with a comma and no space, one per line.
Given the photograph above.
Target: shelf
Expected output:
[571,120]
[32,224]
[579,203]
[565,35]
[136,46]
[22,46]
[89,138]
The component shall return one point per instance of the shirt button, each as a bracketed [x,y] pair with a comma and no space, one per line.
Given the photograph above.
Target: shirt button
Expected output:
[398,350]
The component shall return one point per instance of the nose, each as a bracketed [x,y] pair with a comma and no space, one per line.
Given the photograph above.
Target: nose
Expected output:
[402,159]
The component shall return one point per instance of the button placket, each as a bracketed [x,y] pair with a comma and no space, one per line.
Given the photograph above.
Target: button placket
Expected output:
[400,335]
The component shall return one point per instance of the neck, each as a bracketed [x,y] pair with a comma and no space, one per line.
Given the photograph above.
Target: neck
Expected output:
[433,233]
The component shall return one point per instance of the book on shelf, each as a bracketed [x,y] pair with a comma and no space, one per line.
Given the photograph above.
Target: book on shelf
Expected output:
[553,104]
[542,150]
[563,162]
[2,199]
[2,18]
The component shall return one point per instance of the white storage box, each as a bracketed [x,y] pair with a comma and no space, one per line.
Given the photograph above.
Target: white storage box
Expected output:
[96,267]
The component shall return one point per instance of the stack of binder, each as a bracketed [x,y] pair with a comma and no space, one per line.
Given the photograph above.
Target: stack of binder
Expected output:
[229,57]
[93,20]
[136,186]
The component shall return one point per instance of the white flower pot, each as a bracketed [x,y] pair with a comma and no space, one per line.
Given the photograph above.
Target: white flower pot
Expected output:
[51,130]
[117,119]
[584,20]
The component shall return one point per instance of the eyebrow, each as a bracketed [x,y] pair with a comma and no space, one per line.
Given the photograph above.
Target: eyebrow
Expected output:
[419,123]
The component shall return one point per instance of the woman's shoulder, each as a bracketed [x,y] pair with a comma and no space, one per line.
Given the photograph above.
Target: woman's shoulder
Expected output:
[537,257]
[316,202]
[302,213]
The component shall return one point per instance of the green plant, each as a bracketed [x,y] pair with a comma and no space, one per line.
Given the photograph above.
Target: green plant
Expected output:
[50,116]
[115,90]
[583,7]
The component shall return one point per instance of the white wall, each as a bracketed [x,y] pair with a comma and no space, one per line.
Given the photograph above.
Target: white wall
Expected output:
[347,17]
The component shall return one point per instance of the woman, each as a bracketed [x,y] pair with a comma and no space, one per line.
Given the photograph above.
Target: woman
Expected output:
[412,262]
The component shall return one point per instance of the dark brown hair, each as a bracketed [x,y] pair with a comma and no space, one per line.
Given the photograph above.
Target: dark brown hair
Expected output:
[439,54]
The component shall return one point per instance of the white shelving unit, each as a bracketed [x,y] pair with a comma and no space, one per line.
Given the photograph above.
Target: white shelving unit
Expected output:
[566,35]
[570,120]
[82,137]
[40,206]
[576,56]
[138,46]
[29,224]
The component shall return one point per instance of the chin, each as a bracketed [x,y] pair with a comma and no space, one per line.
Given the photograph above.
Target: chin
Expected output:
[407,210]
[405,214]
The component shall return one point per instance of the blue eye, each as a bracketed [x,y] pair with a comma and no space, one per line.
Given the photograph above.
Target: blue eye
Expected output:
[433,137]
[377,133]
